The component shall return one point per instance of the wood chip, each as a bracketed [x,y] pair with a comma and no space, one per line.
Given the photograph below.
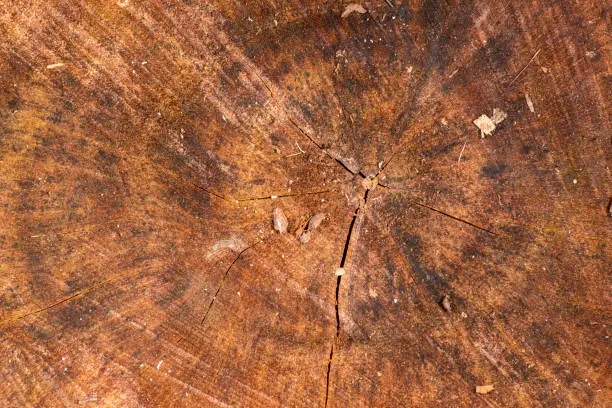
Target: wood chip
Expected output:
[353,7]
[488,124]
[315,221]
[485,124]
[339,271]
[446,304]
[279,220]
[305,237]
[484,389]
[529,103]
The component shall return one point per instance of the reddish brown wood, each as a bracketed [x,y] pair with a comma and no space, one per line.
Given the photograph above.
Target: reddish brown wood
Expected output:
[141,146]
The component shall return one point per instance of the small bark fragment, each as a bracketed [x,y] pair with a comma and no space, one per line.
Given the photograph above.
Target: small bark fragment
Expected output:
[279,220]
[353,7]
[484,389]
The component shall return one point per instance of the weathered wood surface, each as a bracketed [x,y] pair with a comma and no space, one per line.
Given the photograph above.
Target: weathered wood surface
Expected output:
[130,276]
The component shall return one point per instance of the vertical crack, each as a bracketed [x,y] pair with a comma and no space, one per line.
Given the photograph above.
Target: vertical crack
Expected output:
[345,252]
[331,356]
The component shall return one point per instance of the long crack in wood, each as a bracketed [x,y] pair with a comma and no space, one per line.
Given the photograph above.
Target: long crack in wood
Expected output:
[433,209]
[272,197]
[345,252]
[235,201]
[60,302]
[455,218]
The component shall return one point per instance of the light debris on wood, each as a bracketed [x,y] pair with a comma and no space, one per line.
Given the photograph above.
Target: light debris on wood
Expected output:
[529,103]
[525,67]
[315,221]
[339,271]
[498,116]
[461,154]
[446,304]
[369,183]
[484,389]
[56,65]
[298,153]
[488,124]
[304,237]
[279,220]
[353,7]
[485,124]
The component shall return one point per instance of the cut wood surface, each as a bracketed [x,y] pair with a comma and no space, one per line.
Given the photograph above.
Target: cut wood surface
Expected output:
[146,146]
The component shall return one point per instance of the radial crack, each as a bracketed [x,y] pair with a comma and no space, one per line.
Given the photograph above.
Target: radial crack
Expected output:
[344,166]
[455,218]
[272,197]
[59,302]
[345,252]
[213,193]
[235,201]
[331,356]
[210,305]
[417,203]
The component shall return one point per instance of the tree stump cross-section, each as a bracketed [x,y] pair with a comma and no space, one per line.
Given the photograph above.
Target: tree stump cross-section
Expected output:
[438,171]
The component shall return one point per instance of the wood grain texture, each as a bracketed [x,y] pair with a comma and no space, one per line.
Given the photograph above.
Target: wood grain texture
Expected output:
[145,144]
